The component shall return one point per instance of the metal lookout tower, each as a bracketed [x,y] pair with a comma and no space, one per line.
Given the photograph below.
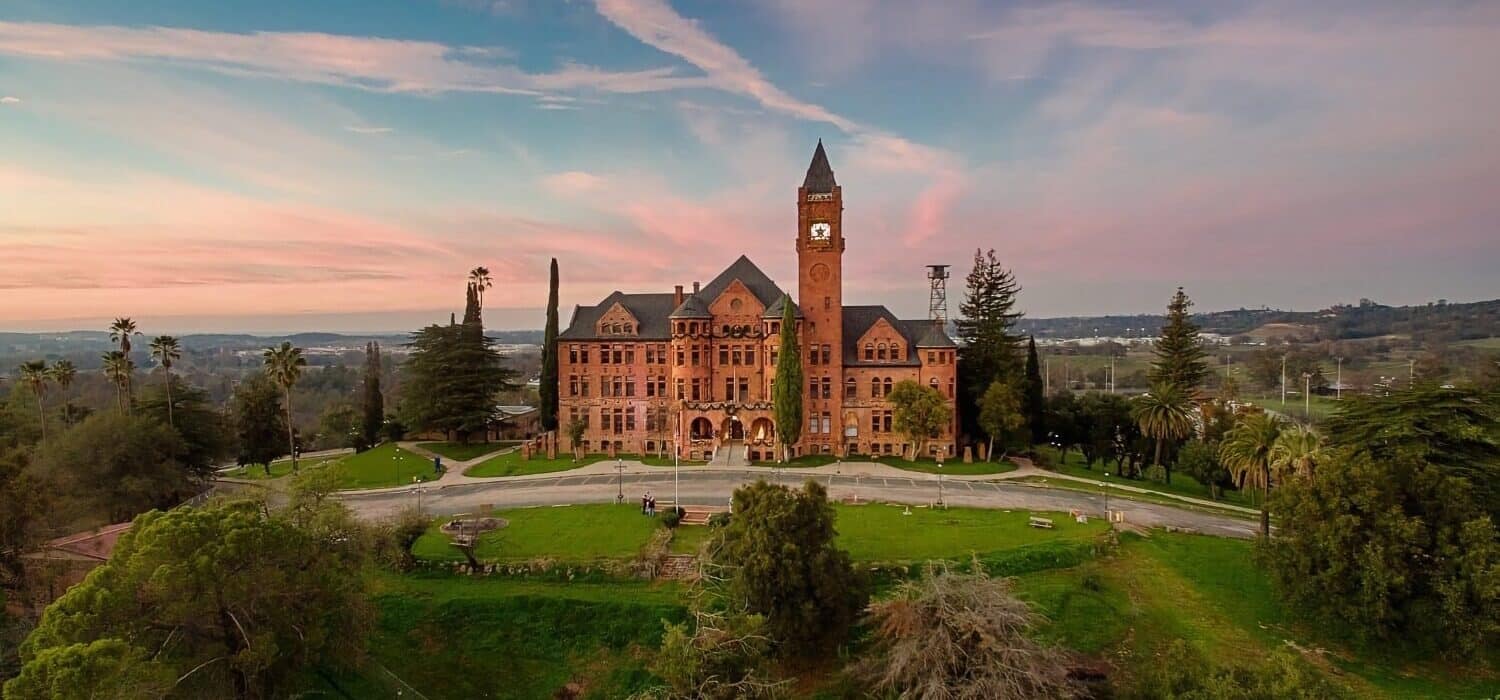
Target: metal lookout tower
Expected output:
[937,298]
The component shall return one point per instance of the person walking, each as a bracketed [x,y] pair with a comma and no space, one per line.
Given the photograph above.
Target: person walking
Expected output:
[650,504]
[644,498]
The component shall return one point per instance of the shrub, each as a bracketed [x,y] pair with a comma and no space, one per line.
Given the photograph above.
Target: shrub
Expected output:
[1182,673]
[672,517]
[718,520]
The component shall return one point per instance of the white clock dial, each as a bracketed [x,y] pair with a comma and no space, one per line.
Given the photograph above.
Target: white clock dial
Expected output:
[821,231]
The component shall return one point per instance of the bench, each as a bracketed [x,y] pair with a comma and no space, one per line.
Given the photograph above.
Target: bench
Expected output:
[1045,523]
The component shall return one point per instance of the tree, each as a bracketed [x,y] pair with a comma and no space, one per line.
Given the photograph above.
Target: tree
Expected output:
[116,465]
[120,332]
[782,561]
[919,412]
[1456,429]
[1296,452]
[234,601]
[22,520]
[1200,460]
[206,434]
[961,636]
[1247,453]
[1033,401]
[284,366]
[34,376]
[786,390]
[1164,414]
[548,391]
[479,280]
[1106,425]
[1065,424]
[575,430]
[988,347]
[1179,351]
[339,426]
[166,350]
[374,400]
[450,380]
[258,424]
[1001,415]
[62,373]
[117,369]
[1388,548]
[106,669]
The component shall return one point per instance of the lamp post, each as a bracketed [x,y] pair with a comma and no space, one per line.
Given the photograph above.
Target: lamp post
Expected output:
[416,487]
[620,471]
[1107,519]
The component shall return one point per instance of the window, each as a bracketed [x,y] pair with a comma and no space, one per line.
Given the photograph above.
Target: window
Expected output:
[870,352]
[630,387]
[681,390]
[603,354]
[572,385]
[827,354]
[744,394]
[880,352]
[886,387]
[693,328]
[681,354]
[851,389]
[750,355]
[885,421]
[933,383]
[728,388]
[896,352]
[950,388]
[812,425]
[583,355]
[629,354]
[650,387]
[695,355]
[827,383]
[696,389]
[772,358]
[650,354]
[931,357]
[630,419]
[875,422]
[827,423]
[617,355]
[573,354]
[737,354]
[812,355]
[583,384]
[874,387]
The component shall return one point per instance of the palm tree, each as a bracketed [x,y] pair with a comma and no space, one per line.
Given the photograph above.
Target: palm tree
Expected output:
[480,278]
[63,372]
[117,370]
[165,350]
[34,375]
[284,364]
[1165,413]
[1247,452]
[1297,451]
[120,332]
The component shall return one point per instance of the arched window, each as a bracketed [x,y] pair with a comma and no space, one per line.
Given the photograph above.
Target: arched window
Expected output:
[880,352]
[870,351]
[874,387]
[933,383]
[701,429]
[850,388]
[886,388]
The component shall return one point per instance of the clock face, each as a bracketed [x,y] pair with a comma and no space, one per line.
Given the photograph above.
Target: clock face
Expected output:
[820,231]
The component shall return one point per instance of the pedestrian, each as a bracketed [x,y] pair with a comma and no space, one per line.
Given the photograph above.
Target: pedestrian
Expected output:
[650,505]
[644,498]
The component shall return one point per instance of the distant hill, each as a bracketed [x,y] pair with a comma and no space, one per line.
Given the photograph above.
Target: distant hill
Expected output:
[1367,319]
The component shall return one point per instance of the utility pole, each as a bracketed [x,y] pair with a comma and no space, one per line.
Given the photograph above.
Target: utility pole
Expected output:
[1307,396]
[1111,371]
[1047,376]
[1338,390]
[1283,380]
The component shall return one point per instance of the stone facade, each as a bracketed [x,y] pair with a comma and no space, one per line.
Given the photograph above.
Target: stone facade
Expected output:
[692,371]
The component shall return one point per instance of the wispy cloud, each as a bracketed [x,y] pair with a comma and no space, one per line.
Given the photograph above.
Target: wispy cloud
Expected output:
[369,129]
[10,100]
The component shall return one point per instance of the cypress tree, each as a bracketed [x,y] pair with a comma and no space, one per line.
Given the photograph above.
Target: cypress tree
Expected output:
[471,304]
[988,350]
[1179,350]
[1033,402]
[786,395]
[374,404]
[548,398]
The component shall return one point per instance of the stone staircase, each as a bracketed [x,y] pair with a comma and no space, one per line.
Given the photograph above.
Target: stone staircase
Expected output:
[731,454]
[699,515]
[679,567]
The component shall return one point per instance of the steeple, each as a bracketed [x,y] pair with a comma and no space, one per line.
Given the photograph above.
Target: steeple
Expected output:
[819,173]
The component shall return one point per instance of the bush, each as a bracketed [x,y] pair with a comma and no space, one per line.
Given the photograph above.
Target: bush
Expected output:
[672,517]
[1182,673]
[719,520]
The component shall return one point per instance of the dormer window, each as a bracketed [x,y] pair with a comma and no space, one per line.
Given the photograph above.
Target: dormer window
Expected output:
[880,352]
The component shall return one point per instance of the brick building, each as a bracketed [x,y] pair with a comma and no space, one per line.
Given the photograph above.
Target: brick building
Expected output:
[693,369]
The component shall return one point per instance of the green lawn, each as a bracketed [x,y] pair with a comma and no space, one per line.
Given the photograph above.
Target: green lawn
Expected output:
[956,466]
[280,467]
[461,452]
[1148,497]
[1321,406]
[386,465]
[1209,592]
[1182,484]
[567,533]
[881,532]
[514,464]
[687,538]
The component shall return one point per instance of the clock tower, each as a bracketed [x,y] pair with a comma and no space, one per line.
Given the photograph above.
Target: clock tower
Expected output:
[820,285]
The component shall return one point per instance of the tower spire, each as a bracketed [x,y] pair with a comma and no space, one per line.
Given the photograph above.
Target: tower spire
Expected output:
[819,172]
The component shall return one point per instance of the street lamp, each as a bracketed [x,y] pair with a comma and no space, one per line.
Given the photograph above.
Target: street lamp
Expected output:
[620,470]
[1107,519]
[416,487]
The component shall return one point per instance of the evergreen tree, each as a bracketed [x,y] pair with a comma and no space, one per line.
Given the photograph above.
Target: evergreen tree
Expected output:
[786,394]
[548,398]
[452,376]
[471,305]
[1179,351]
[374,404]
[988,349]
[1032,401]
[258,423]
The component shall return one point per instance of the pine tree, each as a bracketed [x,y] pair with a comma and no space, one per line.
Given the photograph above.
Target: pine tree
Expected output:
[988,351]
[374,408]
[1179,351]
[548,398]
[787,392]
[1033,400]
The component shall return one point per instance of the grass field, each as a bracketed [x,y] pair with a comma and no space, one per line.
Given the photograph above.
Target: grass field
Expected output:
[874,532]
[280,467]
[955,466]
[460,452]
[1321,407]
[1149,497]
[386,465]
[1209,592]
[1182,484]
[514,464]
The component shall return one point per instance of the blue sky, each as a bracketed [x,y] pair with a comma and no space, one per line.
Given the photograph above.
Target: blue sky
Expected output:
[340,165]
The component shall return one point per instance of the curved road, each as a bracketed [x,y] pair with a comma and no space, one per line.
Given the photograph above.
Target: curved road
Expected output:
[715,487]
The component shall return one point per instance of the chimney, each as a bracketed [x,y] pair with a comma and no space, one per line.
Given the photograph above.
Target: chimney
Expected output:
[695,286]
[677,296]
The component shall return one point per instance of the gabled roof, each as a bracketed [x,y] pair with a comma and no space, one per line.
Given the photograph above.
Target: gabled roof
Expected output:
[819,172]
[929,334]
[692,307]
[651,309]
[775,310]
[859,319]
[749,275]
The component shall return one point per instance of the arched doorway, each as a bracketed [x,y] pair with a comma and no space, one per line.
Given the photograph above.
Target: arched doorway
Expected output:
[762,430]
[734,428]
[700,429]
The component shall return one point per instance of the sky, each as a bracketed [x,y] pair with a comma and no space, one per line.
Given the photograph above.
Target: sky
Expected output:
[282,165]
